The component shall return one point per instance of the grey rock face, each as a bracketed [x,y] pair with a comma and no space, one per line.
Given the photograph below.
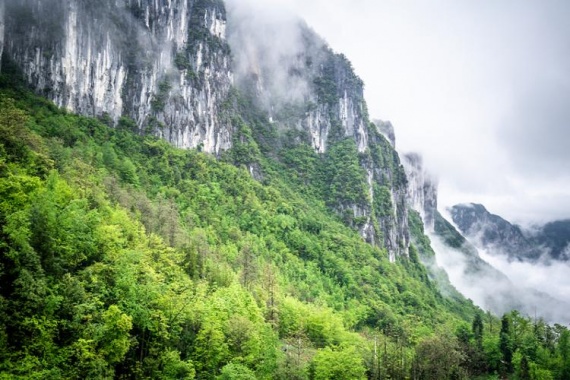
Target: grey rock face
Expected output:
[342,115]
[422,189]
[129,58]
[299,82]
[381,163]
[389,178]
[2,8]
[302,85]
[387,130]
[549,242]
[167,65]
[554,237]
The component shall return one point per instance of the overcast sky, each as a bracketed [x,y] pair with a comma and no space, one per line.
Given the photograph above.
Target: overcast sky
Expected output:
[480,87]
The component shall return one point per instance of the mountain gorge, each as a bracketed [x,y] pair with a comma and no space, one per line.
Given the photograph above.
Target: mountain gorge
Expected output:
[194,189]
[458,253]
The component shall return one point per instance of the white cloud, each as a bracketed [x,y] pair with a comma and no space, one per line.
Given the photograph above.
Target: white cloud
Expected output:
[480,88]
[533,289]
[550,279]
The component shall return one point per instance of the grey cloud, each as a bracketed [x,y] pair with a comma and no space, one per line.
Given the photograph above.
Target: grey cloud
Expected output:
[481,89]
[268,46]
[538,134]
[533,289]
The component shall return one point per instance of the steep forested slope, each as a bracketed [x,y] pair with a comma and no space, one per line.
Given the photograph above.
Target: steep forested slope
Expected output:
[124,257]
[121,254]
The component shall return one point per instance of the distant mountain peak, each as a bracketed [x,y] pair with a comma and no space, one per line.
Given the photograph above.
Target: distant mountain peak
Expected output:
[499,236]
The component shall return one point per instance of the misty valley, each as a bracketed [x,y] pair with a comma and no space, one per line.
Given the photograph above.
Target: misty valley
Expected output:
[194,189]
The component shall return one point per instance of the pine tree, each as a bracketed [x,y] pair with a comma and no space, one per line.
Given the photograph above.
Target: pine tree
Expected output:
[477,329]
[524,372]
[506,346]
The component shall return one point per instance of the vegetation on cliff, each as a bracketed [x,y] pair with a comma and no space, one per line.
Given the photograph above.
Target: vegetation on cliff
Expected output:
[123,257]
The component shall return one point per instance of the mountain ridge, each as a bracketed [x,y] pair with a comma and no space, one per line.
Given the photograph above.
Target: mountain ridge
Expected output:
[187,98]
[542,242]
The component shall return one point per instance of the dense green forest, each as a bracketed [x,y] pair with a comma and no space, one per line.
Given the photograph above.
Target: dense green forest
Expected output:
[123,257]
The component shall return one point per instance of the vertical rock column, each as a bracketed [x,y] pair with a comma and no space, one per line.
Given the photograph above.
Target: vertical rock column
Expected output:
[422,189]
[1,31]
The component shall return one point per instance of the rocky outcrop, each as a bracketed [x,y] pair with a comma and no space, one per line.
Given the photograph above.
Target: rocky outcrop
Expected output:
[389,189]
[300,83]
[2,8]
[304,87]
[338,94]
[422,189]
[554,238]
[387,130]
[165,65]
[385,213]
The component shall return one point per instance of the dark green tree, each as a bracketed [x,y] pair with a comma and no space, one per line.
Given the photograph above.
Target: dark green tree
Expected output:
[477,329]
[524,370]
[506,346]
[439,358]
[564,352]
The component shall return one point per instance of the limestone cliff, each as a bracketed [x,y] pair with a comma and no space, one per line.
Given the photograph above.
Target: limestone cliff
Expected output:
[308,91]
[165,64]
[422,189]
[2,7]
[180,68]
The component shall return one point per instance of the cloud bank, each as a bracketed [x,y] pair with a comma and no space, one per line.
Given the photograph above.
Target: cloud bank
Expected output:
[269,46]
[536,290]
[479,88]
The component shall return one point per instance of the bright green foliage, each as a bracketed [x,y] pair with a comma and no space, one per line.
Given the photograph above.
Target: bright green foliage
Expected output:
[344,175]
[123,257]
[245,150]
[382,200]
[340,363]
[524,370]
[235,371]
[303,165]
[173,368]
[114,341]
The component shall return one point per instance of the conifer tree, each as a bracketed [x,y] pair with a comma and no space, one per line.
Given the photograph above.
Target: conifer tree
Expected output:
[505,346]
